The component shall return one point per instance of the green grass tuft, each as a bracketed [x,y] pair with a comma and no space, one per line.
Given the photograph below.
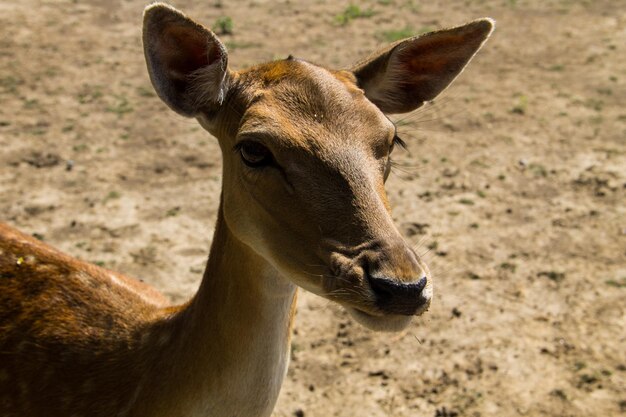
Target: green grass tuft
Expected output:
[223,25]
[353,12]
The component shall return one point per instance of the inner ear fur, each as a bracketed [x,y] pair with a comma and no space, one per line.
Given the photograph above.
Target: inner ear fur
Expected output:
[187,63]
[404,75]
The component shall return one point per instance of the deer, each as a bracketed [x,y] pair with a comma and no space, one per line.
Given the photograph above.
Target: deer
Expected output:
[306,153]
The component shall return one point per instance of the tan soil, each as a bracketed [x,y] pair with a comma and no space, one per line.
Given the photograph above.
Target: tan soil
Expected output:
[514,186]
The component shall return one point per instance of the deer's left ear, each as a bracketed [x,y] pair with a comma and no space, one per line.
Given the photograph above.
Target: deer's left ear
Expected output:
[403,76]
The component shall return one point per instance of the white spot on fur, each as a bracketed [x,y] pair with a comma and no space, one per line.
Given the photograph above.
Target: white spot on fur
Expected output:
[83,277]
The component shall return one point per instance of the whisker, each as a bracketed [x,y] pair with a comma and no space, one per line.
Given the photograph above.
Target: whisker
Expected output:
[317,265]
[420,242]
[422,255]
[312,274]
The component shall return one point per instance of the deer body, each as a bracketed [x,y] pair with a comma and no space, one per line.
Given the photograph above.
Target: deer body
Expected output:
[306,153]
[123,353]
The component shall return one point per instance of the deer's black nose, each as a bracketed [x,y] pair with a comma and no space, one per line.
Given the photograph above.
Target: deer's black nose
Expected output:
[397,297]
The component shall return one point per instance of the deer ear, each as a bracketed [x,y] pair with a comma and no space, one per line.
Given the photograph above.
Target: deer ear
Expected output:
[403,76]
[187,63]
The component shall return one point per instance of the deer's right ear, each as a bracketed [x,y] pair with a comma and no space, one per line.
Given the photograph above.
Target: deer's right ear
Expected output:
[187,63]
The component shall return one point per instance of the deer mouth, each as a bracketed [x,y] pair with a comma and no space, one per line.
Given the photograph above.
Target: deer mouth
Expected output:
[386,323]
[367,310]
[380,304]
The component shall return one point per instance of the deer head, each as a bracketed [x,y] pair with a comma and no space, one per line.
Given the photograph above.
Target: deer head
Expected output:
[306,155]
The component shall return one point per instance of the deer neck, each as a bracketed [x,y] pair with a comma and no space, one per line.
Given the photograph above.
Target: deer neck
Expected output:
[234,341]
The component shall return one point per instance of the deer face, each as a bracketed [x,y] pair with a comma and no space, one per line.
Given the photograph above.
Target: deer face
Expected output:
[306,154]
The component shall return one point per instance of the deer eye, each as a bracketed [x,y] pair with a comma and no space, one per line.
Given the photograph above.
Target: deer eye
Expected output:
[254,154]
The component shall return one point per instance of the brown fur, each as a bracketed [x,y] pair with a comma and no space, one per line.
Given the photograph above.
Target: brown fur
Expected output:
[95,324]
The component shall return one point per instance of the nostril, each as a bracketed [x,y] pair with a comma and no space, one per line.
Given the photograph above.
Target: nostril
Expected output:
[396,297]
[382,287]
[387,289]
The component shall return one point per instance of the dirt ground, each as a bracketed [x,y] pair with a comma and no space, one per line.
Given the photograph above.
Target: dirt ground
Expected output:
[514,188]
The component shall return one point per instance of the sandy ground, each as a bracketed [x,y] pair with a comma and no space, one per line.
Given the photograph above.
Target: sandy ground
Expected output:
[514,188]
